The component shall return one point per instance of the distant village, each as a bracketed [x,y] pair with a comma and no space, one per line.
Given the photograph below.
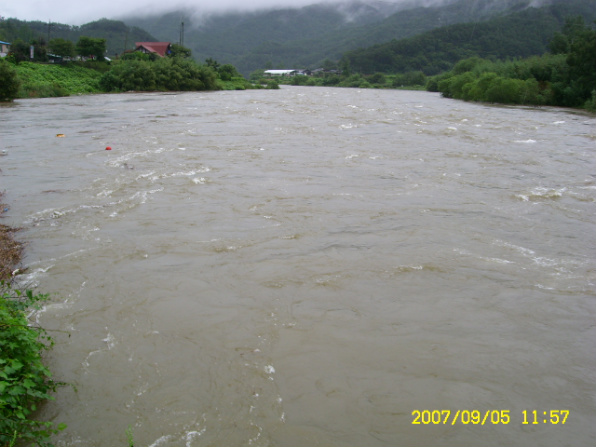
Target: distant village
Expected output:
[162,49]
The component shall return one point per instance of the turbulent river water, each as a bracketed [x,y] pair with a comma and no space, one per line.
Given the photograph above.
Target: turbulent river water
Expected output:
[309,267]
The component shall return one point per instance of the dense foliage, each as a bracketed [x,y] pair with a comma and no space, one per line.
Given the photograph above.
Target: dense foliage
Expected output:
[517,35]
[305,37]
[62,47]
[94,48]
[135,72]
[24,380]
[164,74]
[9,82]
[563,79]
[49,80]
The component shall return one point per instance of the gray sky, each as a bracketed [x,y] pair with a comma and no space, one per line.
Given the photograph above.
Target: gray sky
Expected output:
[78,12]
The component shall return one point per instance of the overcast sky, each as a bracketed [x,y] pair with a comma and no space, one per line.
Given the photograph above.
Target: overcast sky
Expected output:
[78,12]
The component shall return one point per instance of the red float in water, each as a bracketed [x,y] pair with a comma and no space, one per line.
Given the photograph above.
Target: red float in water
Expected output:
[108,148]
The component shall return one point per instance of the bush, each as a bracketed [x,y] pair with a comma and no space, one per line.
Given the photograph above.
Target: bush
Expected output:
[299,80]
[354,80]
[9,82]
[408,79]
[24,381]
[174,74]
[377,78]
[591,103]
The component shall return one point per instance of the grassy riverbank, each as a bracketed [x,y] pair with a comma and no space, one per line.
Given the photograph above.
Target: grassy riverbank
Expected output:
[50,80]
[54,80]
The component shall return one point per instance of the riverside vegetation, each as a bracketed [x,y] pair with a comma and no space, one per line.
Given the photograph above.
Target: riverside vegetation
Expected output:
[134,71]
[25,382]
[564,77]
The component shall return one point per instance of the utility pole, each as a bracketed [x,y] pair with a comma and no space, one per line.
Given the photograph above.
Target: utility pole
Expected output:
[181,34]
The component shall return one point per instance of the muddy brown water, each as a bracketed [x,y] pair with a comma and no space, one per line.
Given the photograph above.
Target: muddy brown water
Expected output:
[309,266]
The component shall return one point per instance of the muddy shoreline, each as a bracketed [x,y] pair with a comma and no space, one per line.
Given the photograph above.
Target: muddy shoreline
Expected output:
[11,250]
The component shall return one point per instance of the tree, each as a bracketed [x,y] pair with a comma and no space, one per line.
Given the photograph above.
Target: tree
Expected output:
[345,66]
[227,72]
[62,47]
[572,30]
[91,47]
[9,82]
[329,65]
[20,50]
[177,50]
[582,62]
[213,64]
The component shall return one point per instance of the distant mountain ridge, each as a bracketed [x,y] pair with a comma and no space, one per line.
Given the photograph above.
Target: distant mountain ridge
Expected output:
[305,37]
[363,32]
[118,35]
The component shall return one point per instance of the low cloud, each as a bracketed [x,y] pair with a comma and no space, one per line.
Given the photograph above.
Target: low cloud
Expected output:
[75,12]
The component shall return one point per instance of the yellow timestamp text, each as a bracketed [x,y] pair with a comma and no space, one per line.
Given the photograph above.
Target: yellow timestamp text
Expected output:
[553,417]
[487,417]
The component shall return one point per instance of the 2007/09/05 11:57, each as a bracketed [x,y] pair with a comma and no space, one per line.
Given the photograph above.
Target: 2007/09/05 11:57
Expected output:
[477,417]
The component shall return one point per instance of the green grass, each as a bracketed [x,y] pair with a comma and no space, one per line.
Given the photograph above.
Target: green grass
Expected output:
[48,80]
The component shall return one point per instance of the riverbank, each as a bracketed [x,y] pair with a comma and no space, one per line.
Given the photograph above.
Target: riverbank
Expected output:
[11,250]
[53,80]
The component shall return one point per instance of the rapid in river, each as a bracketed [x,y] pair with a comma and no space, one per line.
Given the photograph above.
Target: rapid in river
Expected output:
[309,267]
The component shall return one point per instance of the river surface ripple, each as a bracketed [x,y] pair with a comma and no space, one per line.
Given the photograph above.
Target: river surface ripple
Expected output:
[308,266]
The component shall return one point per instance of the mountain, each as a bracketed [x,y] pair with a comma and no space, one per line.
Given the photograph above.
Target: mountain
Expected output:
[373,35]
[228,36]
[305,37]
[515,35]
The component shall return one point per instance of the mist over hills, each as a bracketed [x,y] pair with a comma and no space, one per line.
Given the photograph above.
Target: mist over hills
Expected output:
[307,36]
[373,35]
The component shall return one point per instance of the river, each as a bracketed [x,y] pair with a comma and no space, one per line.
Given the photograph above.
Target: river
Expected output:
[310,267]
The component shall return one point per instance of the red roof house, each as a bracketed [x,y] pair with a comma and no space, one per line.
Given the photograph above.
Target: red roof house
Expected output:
[159,48]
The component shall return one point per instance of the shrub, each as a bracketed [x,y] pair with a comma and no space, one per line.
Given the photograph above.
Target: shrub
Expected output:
[176,74]
[354,80]
[9,82]
[377,78]
[24,380]
[591,103]
[410,78]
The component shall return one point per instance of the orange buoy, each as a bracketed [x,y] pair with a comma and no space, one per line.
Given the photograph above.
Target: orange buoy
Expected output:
[108,148]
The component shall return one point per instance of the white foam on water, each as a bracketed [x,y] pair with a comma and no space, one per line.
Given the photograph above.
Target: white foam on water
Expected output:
[161,441]
[193,434]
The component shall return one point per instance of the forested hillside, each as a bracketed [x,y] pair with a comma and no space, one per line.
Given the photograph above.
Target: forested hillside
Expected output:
[230,37]
[118,35]
[305,37]
[517,35]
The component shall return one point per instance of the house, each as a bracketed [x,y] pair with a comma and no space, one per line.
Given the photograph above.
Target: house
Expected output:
[272,73]
[280,72]
[4,49]
[55,58]
[159,48]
